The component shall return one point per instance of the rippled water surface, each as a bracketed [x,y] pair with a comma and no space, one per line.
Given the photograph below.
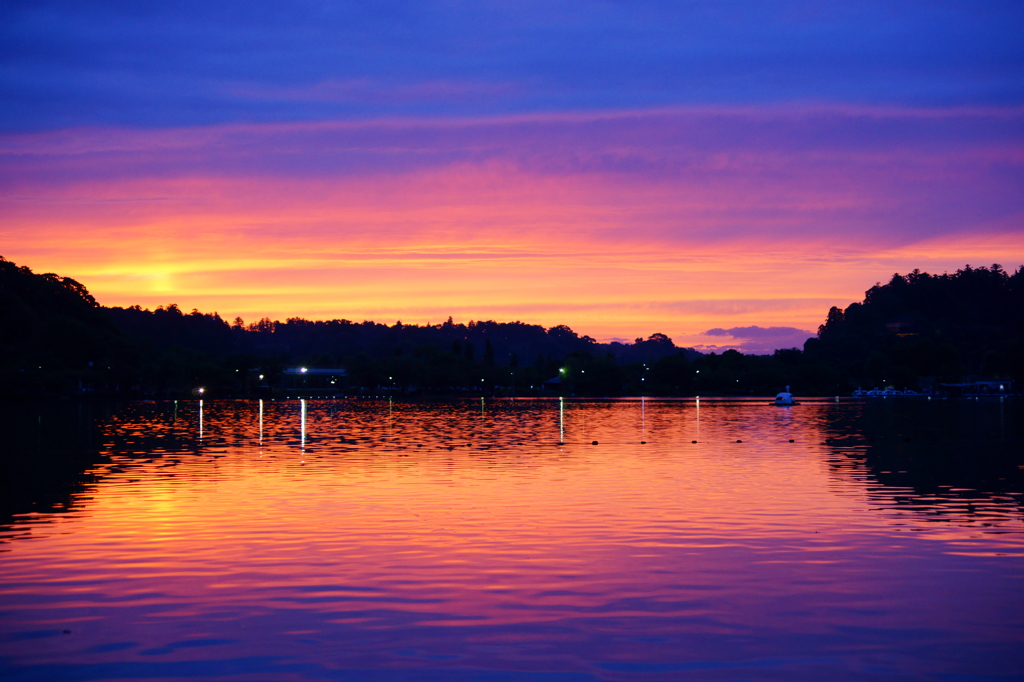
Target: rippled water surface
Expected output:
[507,540]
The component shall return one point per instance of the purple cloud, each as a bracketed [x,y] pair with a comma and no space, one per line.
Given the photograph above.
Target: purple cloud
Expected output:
[756,340]
[884,176]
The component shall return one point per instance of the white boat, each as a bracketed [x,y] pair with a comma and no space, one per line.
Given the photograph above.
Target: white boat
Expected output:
[785,398]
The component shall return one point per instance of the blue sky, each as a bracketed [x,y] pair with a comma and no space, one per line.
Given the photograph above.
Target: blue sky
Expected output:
[187,63]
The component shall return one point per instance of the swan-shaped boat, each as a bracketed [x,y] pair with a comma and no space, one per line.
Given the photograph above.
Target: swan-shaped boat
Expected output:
[785,398]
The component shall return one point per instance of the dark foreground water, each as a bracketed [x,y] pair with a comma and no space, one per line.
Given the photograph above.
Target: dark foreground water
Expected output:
[364,540]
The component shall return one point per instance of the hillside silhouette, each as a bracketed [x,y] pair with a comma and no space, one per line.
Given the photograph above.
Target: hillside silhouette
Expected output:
[54,334]
[943,327]
[58,340]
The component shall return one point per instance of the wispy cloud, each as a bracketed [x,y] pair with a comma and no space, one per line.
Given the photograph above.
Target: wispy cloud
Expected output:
[673,221]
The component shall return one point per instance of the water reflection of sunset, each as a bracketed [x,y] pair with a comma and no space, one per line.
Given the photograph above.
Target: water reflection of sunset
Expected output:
[459,531]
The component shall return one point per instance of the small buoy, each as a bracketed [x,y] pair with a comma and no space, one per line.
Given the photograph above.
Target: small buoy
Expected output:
[694,442]
[67,632]
[643,442]
[739,441]
[791,440]
[561,443]
[594,443]
[419,445]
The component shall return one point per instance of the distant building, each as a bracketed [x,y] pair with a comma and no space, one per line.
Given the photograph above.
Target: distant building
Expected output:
[553,386]
[901,326]
[979,387]
[320,379]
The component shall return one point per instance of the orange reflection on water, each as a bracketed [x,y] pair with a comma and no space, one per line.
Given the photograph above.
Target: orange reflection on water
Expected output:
[468,533]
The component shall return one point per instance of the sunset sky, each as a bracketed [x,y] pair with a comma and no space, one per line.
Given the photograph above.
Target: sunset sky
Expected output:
[623,168]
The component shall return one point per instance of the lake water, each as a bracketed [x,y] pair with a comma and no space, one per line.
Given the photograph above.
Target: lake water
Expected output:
[495,540]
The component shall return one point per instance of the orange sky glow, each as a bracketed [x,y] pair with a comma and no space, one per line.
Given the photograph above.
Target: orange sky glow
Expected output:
[619,226]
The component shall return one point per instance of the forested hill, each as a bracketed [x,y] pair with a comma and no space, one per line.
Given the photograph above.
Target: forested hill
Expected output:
[335,342]
[968,323]
[54,332]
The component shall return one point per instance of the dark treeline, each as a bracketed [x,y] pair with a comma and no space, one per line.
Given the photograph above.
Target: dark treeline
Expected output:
[441,358]
[57,340]
[932,327]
